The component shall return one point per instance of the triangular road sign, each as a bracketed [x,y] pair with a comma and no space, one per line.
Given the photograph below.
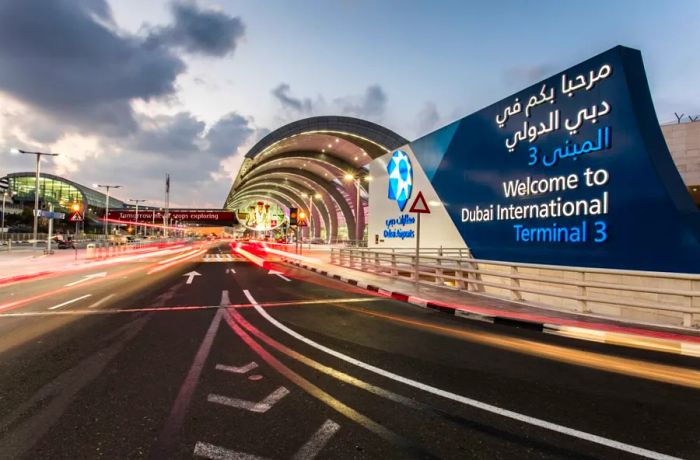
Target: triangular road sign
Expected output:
[77,217]
[419,205]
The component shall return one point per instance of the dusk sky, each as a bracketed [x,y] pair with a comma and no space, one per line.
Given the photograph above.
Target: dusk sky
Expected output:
[128,90]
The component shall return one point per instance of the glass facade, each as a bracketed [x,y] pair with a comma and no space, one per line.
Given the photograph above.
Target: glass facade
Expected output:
[61,192]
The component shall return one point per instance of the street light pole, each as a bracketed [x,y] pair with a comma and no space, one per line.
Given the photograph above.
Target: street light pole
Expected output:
[356,181]
[137,212]
[107,187]
[2,226]
[36,186]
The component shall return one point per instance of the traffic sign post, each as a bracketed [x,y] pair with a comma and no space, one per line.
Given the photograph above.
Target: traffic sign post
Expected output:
[419,207]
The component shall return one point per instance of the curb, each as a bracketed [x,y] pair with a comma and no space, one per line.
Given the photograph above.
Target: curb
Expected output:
[651,340]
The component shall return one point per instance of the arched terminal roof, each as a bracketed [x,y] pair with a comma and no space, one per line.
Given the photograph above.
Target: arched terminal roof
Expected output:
[58,189]
[309,158]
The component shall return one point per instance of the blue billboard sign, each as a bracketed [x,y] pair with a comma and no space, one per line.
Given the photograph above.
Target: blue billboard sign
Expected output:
[571,171]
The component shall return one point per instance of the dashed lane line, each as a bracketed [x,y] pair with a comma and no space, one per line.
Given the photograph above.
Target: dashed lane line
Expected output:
[462,399]
[70,302]
[101,301]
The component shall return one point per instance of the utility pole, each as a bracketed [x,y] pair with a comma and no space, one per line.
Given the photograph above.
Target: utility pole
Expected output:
[107,187]
[137,212]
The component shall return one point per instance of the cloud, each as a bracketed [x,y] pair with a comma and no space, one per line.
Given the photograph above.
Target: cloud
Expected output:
[370,105]
[207,32]
[527,74]
[428,118]
[71,82]
[198,158]
[65,58]
[281,93]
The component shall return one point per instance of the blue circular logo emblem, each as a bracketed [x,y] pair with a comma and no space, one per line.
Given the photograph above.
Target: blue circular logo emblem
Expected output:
[400,178]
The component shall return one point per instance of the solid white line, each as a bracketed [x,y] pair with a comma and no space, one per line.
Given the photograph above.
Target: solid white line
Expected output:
[259,407]
[101,301]
[206,450]
[70,302]
[314,445]
[237,370]
[462,399]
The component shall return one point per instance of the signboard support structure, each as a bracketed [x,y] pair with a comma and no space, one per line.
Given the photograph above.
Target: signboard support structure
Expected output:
[417,273]
[419,207]
[48,240]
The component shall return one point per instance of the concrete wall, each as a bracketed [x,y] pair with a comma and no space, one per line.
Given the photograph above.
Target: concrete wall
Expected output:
[683,141]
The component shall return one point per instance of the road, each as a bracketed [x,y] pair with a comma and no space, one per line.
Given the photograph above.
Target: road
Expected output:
[194,355]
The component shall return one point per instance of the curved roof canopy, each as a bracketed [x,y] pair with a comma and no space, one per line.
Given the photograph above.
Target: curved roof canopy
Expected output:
[59,190]
[304,164]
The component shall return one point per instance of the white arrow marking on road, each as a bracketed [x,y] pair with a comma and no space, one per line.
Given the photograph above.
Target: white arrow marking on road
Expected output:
[308,451]
[319,439]
[191,276]
[259,407]
[237,370]
[87,278]
[275,272]
[206,450]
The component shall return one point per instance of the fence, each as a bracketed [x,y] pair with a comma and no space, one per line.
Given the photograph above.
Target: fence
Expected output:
[659,298]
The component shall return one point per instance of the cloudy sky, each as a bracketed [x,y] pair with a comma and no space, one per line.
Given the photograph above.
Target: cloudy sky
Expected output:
[127,90]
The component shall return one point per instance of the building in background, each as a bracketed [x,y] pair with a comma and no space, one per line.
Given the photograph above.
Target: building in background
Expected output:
[683,140]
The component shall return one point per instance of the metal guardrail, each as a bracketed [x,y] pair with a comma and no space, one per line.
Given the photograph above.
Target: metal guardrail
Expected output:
[586,288]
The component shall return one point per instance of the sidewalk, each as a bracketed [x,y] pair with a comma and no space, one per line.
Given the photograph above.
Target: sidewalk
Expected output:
[678,340]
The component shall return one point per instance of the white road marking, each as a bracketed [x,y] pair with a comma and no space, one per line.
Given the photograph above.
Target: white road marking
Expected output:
[317,442]
[87,278]
[70,302]
[190,276]
[206,450]
[101,301]
[231,271]
[275,272]
[237,370]
[462,399]
[259,407]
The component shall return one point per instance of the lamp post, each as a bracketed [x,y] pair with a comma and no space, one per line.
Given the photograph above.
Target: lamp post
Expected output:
[137,212]
[358,205]
[36,187]
[107,187]
[5,194]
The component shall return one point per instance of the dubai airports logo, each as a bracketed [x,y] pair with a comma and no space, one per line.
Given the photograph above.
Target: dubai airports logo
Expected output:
[400,178]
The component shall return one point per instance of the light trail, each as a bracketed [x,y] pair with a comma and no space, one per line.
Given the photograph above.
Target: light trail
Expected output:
[634,368]
[176,308]
[453,396]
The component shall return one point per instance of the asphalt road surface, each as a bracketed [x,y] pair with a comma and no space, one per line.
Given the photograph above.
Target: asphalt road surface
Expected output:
[211,356]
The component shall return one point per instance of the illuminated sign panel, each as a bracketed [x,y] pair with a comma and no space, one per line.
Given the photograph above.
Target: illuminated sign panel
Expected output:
[571,171]
[185,215]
